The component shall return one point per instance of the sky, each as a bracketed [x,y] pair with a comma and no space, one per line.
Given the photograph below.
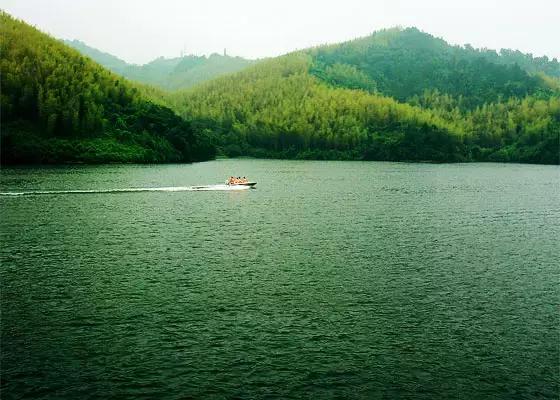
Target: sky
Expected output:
[140,30]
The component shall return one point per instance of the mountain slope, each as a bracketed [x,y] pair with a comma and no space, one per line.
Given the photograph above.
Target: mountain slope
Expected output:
[339,102]
[58,106]
[277,109]
[167,73]
[406,62]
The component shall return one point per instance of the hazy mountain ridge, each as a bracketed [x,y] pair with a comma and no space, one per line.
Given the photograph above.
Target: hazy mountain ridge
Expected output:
[109,61]
[167,73]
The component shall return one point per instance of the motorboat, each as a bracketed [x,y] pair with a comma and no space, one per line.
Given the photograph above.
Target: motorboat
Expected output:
[240,182]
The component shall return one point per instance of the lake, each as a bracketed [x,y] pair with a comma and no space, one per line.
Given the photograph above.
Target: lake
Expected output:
[330,280]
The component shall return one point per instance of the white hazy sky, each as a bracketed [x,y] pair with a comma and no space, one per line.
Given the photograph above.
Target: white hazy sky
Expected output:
[141,30]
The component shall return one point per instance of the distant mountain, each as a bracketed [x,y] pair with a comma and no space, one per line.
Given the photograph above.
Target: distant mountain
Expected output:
[107,60]
[192,70]
[58,106]
[167,73]
[349,101]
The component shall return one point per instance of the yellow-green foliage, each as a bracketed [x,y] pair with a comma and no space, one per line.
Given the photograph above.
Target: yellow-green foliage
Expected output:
[278,105]
[279,108]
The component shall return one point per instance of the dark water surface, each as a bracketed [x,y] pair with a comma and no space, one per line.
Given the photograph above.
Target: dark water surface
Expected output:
[331,280]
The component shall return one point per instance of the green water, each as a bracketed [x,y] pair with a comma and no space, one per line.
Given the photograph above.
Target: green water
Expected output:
[331,280]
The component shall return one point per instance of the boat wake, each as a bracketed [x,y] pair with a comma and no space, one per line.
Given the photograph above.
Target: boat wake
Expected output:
[207,188]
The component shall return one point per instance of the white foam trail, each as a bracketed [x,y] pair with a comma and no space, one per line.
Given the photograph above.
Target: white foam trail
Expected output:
[129,190]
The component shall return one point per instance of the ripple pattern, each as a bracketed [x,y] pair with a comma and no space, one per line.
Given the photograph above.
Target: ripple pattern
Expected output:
[331,280]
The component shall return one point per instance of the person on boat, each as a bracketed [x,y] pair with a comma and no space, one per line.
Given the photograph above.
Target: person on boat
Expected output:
[237,181]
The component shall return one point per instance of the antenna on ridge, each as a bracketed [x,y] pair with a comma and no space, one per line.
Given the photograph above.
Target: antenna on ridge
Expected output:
[225,53]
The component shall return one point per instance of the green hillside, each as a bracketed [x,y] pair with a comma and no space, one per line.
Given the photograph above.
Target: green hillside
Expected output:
[278,109]
[396,95]
[167,73]
[399,94]
[406,62]
[59,106]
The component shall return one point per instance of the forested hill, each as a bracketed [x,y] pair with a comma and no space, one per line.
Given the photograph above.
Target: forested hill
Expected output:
[396,95]
[59,106]
[399,94]
[278,109]
[404,63]
[167,73]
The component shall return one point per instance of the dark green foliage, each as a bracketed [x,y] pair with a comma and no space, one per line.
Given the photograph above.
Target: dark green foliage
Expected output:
[405,63]
[529,63]
[517,130]
[345,76]
[167,73]
[24,143]
[59,106]
[525,130]
[419,143]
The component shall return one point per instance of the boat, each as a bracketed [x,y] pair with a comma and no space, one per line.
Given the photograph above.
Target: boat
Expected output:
[240,182]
